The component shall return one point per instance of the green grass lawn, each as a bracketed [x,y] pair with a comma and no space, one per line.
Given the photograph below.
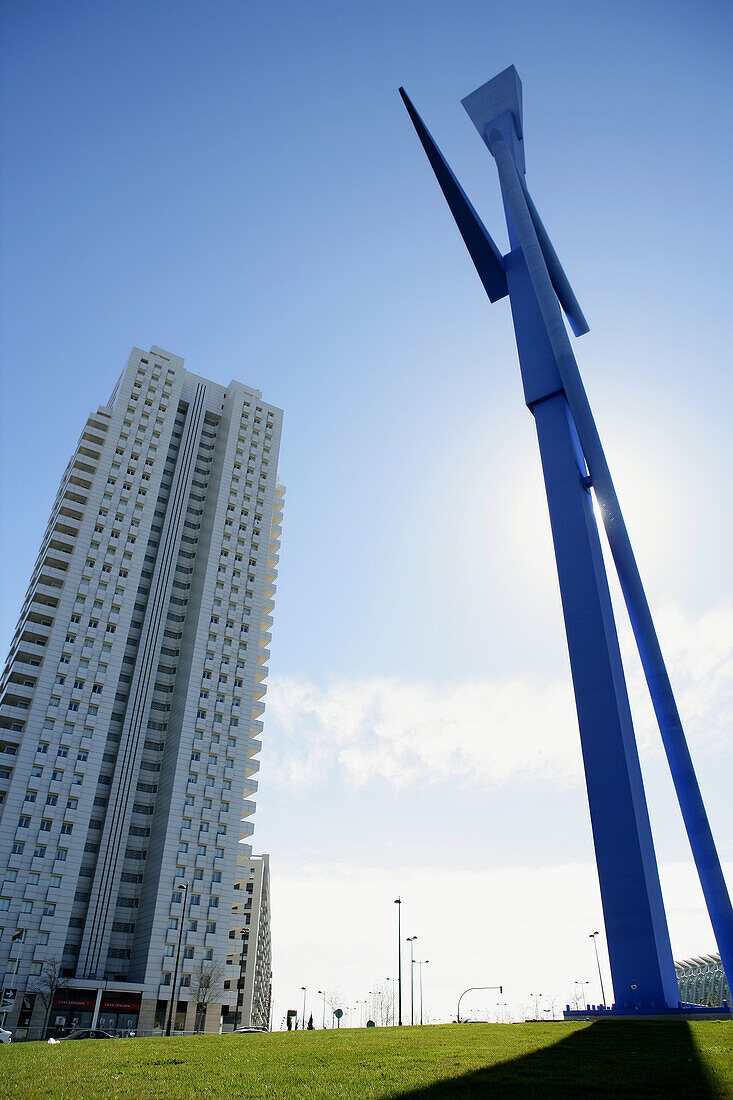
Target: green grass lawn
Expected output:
[475,1060]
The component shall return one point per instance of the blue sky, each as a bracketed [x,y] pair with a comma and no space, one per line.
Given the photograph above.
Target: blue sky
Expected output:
[239,183]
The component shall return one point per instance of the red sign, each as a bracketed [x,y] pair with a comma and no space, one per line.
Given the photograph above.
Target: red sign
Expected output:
[74,999]
[119,1006]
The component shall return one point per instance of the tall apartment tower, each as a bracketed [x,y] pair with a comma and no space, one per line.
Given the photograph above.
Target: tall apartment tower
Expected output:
[131,704]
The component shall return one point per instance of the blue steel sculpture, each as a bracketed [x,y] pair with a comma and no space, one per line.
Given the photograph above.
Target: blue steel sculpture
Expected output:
[573,463]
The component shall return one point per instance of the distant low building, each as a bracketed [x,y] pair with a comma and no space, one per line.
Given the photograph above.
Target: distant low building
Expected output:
[249,961]
[702,981]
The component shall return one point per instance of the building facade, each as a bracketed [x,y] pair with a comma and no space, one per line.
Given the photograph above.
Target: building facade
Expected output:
[249,961]
[702,981]
[131,705]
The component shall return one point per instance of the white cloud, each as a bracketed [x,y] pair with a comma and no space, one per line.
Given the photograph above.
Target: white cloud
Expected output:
[490,731]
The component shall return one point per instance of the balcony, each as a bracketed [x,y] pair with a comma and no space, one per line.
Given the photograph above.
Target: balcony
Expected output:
[48,589]
[248,808]
[254,747]
[18,710]
[19,689]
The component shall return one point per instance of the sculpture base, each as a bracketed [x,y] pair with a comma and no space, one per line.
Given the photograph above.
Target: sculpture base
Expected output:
[681,1012]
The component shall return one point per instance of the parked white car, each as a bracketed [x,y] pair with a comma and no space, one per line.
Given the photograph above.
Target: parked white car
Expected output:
[5,1036]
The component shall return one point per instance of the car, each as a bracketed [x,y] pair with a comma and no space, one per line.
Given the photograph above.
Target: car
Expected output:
[241,1030]
[89,1033]
[5,1036]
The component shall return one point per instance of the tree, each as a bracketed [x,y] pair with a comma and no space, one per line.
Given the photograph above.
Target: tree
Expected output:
[47,985]
[382,997]
[310,1022]
[206,983]
[334,998]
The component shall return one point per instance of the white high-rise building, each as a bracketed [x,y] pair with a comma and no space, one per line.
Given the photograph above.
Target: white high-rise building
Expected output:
[131,706]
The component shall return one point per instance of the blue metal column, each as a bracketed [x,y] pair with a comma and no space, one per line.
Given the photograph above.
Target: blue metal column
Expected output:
[640,953]
[520,212]
[642,966]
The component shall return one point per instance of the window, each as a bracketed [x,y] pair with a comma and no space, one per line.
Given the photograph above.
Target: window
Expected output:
[61,854]
[49,908]
[23,821]
[39,851]
[211,927]
[17,848]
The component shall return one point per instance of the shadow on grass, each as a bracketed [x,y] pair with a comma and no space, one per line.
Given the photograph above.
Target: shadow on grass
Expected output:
[609,1058]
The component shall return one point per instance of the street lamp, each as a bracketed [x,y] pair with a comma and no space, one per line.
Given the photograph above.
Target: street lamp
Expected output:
[174,998]
[324,1008]
[303,988]
[598,963]
[240,984]
[536,998]
[391,986]
[581,994]
[473,989]
[421,964]
[398,903]
[411,941]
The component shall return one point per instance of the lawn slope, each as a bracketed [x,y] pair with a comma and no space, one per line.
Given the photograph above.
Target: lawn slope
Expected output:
[431,1063]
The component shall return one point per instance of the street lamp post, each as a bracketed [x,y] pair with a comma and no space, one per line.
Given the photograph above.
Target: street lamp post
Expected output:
[411,941]
[536,998]
[421,964]
[303,988]
[324,1008]
[398,903]
[391,987]
[581,994]
[174,998]
[598,963]
[473,989]
[240,984]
